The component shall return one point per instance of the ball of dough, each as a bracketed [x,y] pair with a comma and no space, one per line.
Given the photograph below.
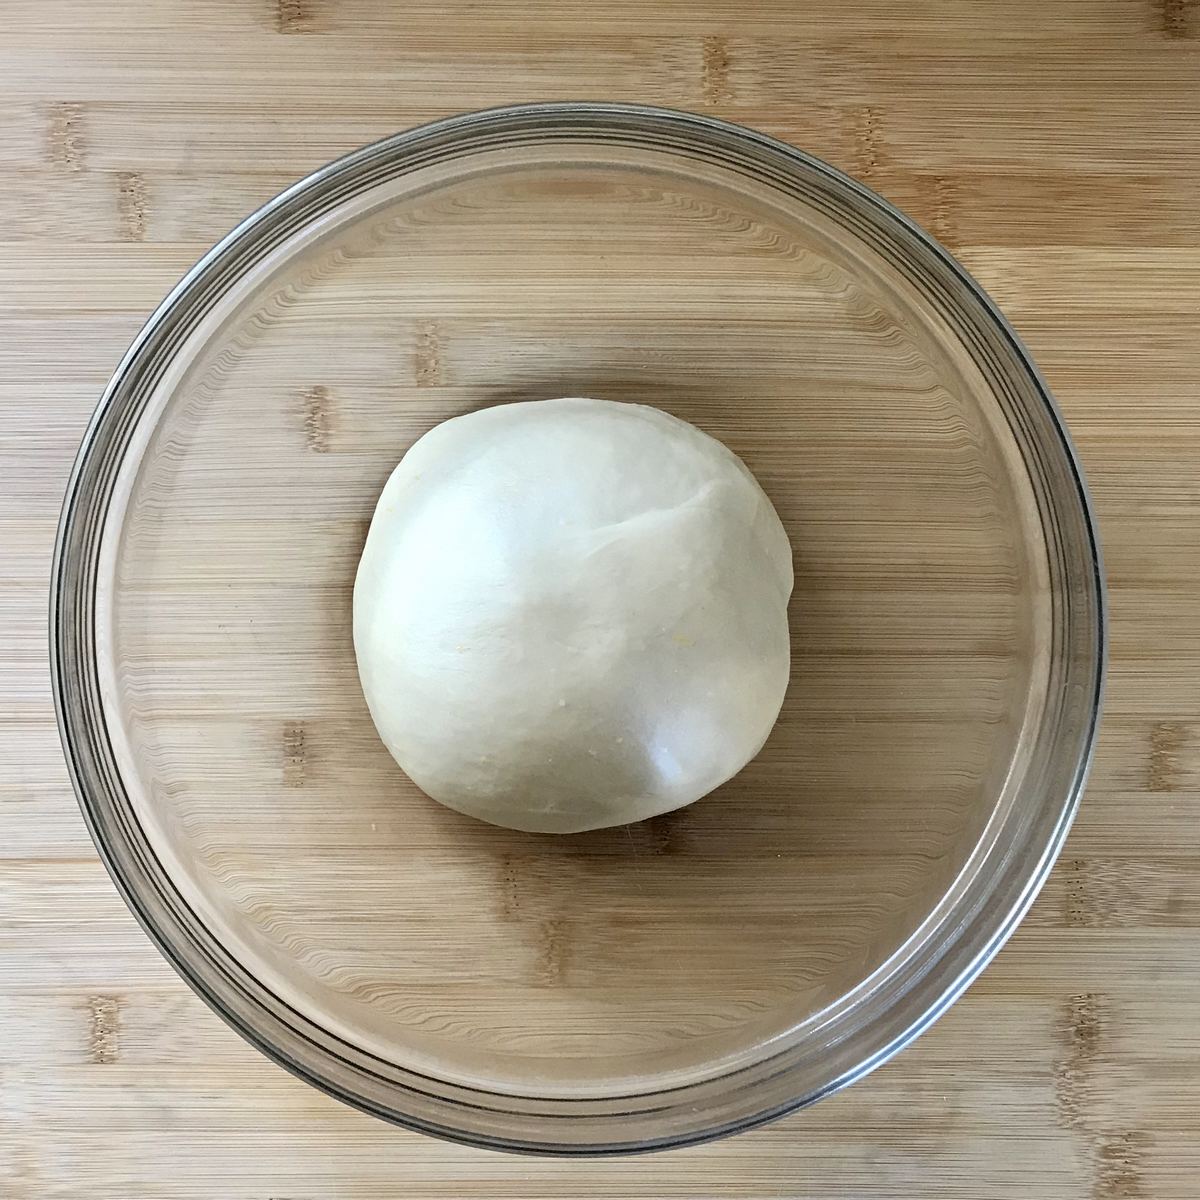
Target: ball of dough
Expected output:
[572,613]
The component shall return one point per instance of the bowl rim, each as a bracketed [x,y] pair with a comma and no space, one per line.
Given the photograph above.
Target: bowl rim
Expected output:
[71,616]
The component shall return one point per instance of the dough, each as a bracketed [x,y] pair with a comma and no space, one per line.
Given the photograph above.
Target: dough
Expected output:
[572,613]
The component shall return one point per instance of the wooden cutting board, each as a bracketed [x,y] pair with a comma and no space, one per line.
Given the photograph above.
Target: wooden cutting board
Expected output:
[1054,146]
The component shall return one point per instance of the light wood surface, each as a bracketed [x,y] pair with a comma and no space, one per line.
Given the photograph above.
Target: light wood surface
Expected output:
[1053,146]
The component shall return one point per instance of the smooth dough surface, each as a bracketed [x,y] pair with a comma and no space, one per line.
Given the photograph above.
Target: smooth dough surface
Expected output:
[572,613]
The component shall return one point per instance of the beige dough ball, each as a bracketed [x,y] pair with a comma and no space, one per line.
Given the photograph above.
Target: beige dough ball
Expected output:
[572,613]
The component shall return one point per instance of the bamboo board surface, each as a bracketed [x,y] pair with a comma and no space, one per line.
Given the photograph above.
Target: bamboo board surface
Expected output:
[1054,147]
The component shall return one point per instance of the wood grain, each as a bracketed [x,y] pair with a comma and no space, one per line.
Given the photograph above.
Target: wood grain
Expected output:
[1053,145]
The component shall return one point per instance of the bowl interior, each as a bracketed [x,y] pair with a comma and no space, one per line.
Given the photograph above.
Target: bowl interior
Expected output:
[627,960]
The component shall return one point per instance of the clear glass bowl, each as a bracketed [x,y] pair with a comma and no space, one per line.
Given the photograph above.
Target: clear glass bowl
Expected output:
[636,987]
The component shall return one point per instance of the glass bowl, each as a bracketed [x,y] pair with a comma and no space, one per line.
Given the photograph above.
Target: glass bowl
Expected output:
[637,987]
